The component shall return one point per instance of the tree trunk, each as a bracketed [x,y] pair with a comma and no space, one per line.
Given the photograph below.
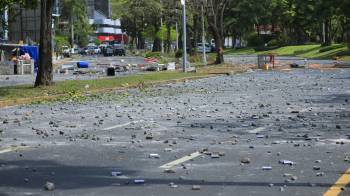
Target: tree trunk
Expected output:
[156,45]
[328,41]
[218,44]
[45,71]
[168,38]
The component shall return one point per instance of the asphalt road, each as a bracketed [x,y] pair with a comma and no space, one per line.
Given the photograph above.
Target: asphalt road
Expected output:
[244,125]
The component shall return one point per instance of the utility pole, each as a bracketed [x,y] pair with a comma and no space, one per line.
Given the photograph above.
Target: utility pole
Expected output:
[184,63]
[161,30]
[203,36]
[6,17]
[177,30]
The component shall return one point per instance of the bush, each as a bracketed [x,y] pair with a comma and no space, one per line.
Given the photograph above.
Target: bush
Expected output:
[255,40]
[153,55]
[329,48]
[273,42]
[178,54]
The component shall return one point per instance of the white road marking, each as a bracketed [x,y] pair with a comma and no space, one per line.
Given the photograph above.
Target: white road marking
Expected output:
[11,149]
[257,130]
[122,125]
[179,161]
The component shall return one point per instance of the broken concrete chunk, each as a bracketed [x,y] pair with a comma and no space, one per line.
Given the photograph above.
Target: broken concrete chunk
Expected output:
[266,168]
[139,181]
[245,161]
[116,173]
[49,186]
[286,162]
[196,187]
[154,156]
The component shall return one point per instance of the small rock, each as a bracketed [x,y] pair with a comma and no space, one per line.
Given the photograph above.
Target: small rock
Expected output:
[316,168]
[266,168]
[169,171]
[173,185]
[294,178]
[245,161]
[154,156]
[320,174]
[196,187]
[49,186]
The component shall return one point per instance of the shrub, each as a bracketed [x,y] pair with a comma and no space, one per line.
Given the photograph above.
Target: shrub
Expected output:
[178,54]
[273,42]
[255,40]
[153,55]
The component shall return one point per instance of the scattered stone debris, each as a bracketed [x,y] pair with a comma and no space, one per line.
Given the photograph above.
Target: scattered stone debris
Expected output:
[169,171]
[154,156]
[245,161]
[196,187]
[173,185]
[116,173]
[266,168]
[286,162]
[139,181]
[49,186]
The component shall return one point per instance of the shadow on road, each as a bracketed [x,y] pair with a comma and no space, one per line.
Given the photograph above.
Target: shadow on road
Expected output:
[79,177]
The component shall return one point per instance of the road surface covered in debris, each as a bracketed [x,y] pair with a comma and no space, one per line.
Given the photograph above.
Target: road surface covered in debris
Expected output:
[257,133]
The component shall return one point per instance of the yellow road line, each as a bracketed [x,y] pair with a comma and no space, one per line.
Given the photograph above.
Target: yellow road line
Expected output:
[335,190]
[179,161]
[11,149]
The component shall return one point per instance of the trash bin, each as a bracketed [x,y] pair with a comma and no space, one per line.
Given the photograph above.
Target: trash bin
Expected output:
[110,71]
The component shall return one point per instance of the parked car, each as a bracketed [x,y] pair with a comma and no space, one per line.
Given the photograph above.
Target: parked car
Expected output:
[83,51]
[66,51]
[207,48]
[108,51]
[119,50]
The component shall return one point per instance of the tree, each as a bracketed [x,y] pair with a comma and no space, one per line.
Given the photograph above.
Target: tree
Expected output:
[215,14]
[74,11]
[45,71]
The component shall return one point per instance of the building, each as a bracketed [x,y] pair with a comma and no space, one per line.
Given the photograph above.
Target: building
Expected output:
[104,27]
[26,27]
[24,23]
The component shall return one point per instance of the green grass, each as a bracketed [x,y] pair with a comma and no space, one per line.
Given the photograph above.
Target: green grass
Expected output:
[75,87]
[304,51]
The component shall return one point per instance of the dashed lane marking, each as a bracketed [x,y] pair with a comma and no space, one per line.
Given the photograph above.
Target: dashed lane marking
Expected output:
[122,125]
[179,161]
[257,130]
[11,149]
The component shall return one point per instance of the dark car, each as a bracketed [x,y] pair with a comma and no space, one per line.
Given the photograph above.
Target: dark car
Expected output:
[108,51]
[119,50]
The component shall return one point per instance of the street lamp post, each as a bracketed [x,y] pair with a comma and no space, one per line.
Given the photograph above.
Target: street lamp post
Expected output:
[203,36]
[184,63]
